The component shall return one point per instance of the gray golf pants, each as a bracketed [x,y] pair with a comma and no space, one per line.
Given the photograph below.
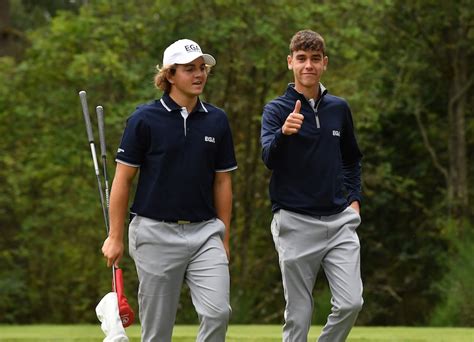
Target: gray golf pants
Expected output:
[304,243]
[165,255]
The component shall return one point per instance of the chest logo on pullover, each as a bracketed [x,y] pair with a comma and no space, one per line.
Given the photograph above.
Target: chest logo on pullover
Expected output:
[210,139]
[336,133]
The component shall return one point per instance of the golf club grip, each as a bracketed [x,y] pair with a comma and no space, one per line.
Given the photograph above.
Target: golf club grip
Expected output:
[87,119]
[100,121]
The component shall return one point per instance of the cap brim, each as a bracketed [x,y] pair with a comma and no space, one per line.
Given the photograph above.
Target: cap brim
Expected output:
[208,59]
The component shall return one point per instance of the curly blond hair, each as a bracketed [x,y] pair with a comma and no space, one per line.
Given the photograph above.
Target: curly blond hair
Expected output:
[161,77]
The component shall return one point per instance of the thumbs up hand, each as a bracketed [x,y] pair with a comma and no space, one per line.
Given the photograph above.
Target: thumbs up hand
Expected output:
[294,121]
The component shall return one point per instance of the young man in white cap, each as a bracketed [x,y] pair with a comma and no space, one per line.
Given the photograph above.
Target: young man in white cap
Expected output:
[308,142]
[182,207]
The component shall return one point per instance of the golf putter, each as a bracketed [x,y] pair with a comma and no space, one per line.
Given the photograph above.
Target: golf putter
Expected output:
[125,311]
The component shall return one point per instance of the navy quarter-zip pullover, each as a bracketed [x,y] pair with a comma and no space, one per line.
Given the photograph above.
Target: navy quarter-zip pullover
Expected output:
[324,151]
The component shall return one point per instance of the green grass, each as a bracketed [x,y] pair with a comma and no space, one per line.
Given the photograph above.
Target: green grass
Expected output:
[236,333]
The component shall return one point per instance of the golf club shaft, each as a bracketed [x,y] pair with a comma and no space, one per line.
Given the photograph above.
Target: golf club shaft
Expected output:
[103,152]
[90,136]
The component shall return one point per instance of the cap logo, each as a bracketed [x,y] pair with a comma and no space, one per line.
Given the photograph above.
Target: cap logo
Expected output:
[192,48]
[184,51]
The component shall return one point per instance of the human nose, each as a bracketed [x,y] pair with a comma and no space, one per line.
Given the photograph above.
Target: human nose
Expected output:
[199,72]
[308,64]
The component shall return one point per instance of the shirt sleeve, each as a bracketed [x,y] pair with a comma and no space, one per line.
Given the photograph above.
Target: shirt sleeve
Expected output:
[134,143]
[271,136]
[225,159]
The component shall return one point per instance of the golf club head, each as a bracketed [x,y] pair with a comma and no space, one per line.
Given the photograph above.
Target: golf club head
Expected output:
[125,311]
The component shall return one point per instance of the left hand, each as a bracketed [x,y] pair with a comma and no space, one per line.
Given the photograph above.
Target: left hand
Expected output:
[356,206]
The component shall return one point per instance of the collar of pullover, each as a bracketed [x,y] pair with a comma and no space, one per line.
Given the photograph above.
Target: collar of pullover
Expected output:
[292,91]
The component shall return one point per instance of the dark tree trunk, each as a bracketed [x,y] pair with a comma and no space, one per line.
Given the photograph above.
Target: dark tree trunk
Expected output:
[458,182]
[11,40]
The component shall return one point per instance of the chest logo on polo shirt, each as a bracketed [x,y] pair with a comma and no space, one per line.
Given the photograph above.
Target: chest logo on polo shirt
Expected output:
[210,139]
[336,133]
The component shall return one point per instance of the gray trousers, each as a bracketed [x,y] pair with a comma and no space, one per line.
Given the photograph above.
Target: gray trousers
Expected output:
[165,255]
[305,243]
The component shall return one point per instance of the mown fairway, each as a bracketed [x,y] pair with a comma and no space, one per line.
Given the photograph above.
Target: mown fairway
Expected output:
[246,333]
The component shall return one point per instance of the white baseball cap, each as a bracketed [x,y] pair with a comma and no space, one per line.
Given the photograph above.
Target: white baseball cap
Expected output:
[185,51]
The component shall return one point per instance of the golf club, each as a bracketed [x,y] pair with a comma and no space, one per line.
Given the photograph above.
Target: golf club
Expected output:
[90,136]
[100,123]
[125,311]
[103,153]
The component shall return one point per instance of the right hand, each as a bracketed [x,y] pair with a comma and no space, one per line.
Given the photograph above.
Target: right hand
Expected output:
[294,121]
[113,251]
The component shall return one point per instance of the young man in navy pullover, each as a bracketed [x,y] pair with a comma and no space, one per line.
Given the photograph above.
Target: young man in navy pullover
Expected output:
[183,150]
[308,142]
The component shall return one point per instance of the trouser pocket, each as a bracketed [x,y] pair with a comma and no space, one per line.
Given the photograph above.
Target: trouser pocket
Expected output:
[132,235]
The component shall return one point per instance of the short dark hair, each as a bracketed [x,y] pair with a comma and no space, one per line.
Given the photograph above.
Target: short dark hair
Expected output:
[307,40]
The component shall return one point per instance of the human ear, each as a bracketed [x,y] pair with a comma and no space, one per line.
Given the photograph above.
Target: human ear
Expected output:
[290,65]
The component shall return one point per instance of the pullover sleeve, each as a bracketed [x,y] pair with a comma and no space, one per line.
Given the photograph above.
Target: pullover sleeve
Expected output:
[351,161]
[352,182]
[271,136]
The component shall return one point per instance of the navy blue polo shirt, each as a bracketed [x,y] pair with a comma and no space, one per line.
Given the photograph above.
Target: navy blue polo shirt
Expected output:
[177,158]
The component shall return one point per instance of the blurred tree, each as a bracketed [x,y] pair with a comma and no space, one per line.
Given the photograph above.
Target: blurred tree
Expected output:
[11,39]
[19,16]
[426,99]
[50,218]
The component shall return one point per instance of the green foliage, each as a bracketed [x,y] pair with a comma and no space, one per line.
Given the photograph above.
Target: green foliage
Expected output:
[31,14]
[405,236]
[457,305]
[322,306]
[51,268]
